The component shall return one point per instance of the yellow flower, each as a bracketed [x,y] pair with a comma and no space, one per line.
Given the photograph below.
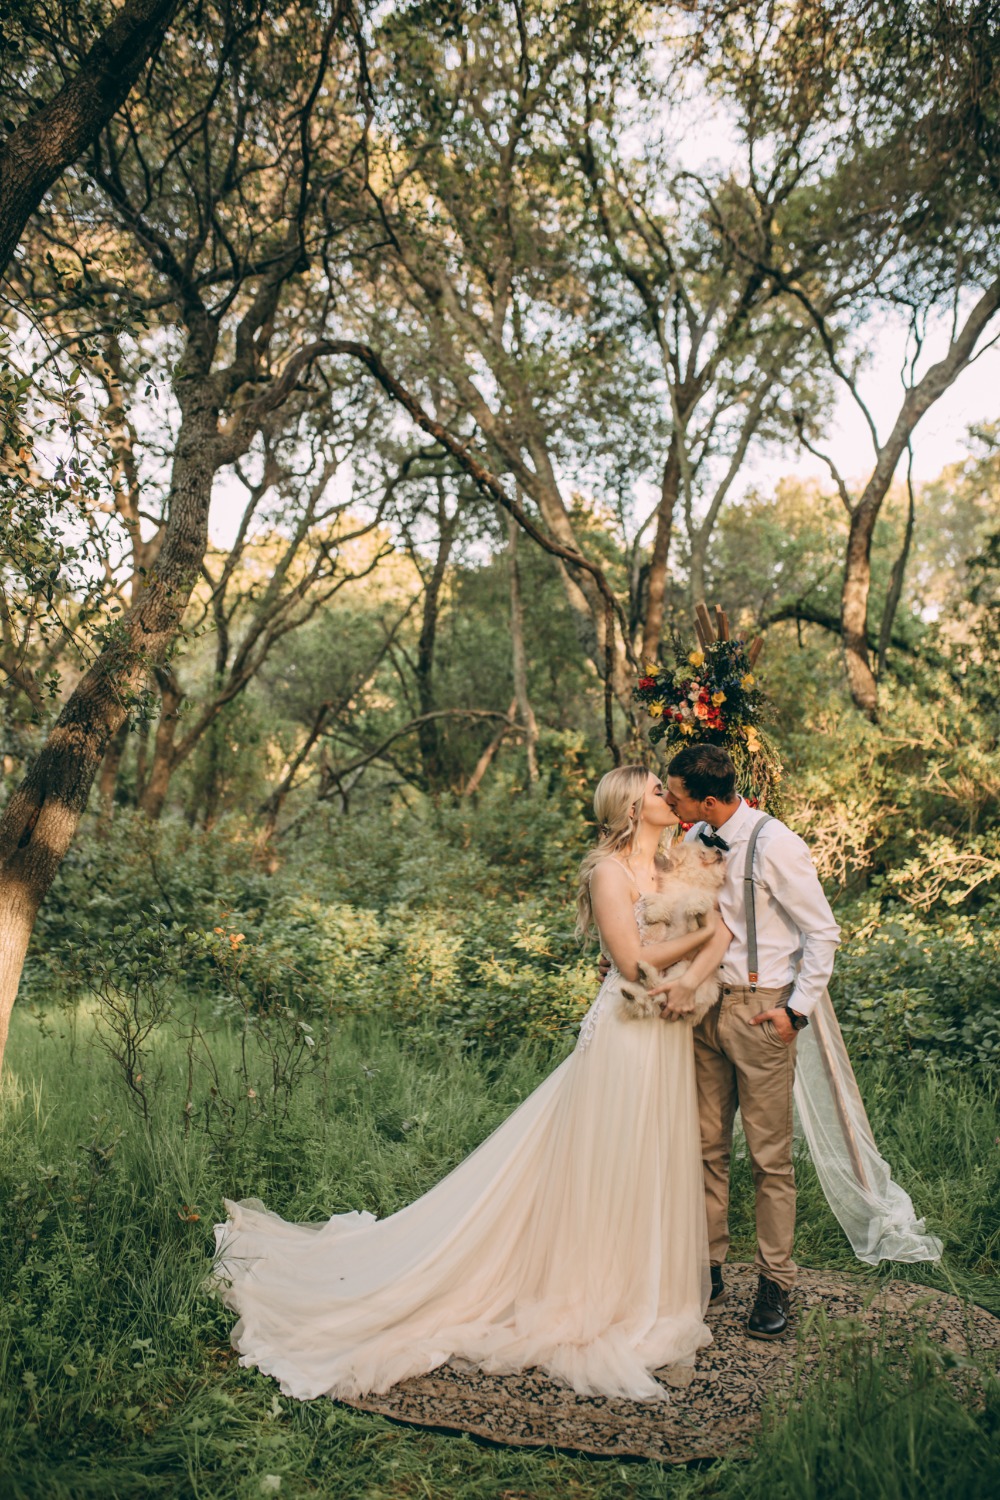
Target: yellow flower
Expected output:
[748,681]
[718,699]
[655,710]
[750,733]
[687,728]
[697,658]
[652,668]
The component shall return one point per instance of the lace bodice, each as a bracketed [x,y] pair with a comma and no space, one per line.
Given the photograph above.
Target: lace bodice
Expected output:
[589,1023]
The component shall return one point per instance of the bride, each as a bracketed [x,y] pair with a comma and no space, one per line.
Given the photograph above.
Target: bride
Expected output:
[573,1239]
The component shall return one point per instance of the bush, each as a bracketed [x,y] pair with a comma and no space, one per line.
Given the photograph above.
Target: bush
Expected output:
[924,988]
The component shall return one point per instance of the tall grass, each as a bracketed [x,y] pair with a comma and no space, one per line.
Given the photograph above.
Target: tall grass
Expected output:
[116,1377]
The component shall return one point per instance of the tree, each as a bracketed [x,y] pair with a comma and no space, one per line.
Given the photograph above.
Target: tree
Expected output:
[223,220]
[690,245]
[483,273]
[40,148]
[898,185]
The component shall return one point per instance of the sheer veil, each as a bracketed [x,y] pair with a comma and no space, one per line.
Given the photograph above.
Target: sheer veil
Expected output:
[875,1213]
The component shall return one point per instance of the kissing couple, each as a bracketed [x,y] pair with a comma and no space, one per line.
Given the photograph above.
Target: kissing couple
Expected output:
[587,1235]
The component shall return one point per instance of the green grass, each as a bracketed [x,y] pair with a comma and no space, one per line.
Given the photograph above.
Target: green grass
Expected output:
[116,1377]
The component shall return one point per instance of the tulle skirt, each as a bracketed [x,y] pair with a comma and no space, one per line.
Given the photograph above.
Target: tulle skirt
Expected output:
[573,1240]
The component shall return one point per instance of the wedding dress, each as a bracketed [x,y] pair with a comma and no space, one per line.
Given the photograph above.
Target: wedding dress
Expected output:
[573,1239]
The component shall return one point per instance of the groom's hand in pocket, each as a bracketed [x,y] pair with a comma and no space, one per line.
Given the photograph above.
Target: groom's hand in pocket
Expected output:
[779,1020]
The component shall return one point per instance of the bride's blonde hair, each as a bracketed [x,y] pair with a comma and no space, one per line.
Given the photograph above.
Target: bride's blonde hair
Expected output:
[618,810]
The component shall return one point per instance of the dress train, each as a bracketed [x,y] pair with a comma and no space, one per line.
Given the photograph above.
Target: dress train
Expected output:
[573,1239]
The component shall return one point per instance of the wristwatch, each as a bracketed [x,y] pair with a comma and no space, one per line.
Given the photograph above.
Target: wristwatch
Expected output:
[798,1022]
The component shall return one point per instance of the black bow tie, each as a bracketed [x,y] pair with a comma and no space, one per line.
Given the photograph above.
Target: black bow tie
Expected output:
[713,841]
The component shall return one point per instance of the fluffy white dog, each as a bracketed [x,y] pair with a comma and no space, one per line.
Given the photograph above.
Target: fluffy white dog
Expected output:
[688,892]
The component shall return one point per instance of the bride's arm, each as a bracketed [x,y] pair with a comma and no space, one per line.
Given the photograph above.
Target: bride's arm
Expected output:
[613,910]
[680,991]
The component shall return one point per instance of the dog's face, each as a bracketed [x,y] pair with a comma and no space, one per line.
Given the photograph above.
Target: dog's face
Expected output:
[697,866]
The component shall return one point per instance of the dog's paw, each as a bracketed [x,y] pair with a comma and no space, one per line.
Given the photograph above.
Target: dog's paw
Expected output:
[636,1004]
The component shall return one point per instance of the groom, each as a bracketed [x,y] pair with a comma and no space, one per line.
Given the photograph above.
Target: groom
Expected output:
[773,973]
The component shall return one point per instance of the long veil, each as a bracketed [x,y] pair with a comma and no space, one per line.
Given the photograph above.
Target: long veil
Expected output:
[876,1214]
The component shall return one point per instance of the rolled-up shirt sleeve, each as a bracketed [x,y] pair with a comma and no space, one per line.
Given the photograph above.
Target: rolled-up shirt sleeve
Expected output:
[794,886]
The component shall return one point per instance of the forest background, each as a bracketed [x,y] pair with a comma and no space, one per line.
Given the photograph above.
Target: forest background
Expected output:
[381,388]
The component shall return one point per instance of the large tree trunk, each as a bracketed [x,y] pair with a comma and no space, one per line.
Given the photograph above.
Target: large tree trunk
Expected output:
[656,584]
[40,150]
[696,568]
[108,781]
[154,793]
[897,577]
[854,610]
[519,663]
[428,731]
[41,819]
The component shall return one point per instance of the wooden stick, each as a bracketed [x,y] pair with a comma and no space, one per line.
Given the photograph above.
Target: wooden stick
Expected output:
[756,647]
[722,623]
[700,633]
[706,621]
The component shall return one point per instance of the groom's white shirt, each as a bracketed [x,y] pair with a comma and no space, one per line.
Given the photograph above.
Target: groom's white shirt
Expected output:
[797,935]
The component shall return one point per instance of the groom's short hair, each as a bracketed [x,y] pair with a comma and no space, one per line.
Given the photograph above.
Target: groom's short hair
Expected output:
[706,771]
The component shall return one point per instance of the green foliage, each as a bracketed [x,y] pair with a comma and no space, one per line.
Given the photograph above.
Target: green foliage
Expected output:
[116,1378]
[908,987]
[880,1421]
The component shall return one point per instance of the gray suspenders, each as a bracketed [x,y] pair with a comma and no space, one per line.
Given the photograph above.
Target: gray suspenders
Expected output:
[748,899]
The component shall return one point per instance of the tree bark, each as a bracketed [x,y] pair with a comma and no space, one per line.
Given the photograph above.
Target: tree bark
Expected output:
[154,793]
[522,702]
[854,610]
[40,150]
[108,780]
[656,586]
[428,730]
[896,577]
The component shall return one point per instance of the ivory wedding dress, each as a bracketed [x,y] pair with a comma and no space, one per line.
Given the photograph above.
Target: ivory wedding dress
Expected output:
[573,1239]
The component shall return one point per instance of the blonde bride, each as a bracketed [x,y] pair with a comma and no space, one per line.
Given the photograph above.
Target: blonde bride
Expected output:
[572,1240]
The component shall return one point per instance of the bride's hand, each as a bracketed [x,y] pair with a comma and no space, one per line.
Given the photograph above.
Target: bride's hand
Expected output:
[678,999]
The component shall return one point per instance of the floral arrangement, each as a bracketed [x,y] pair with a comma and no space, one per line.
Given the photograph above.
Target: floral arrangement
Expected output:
[712,695]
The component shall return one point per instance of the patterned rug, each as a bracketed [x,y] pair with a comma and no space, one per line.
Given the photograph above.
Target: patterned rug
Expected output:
[713,1413]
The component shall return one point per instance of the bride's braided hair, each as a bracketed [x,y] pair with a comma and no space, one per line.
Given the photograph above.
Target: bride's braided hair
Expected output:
[618,810]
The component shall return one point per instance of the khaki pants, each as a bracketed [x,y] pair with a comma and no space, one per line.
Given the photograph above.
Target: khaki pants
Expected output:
[751,1067]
